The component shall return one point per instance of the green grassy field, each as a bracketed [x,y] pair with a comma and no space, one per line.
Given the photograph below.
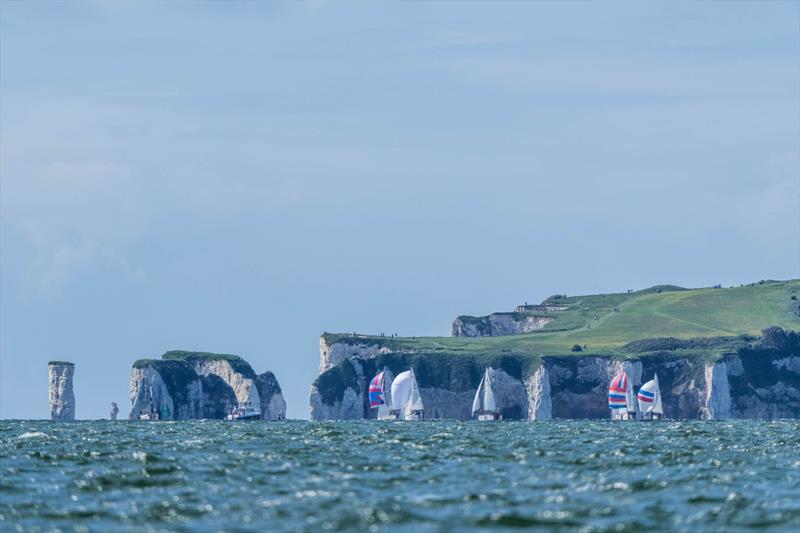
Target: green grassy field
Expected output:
[592,321]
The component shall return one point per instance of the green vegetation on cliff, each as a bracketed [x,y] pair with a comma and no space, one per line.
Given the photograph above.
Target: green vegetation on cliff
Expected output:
[608,324]
[237,363]
[176,368]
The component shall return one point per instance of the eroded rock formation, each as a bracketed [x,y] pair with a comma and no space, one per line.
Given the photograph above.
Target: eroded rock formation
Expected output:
[61,394]
[190,385]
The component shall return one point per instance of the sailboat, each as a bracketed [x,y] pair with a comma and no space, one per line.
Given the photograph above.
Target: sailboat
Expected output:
[630,401]
[484,406]
[148,412]
[377,396]
[650,400]
[406,400]
[620,398]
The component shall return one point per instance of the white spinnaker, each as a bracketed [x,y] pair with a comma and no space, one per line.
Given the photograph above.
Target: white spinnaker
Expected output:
[476,403]
[489,404]
[401,390]
[414,400]
[657,408]
[651,387]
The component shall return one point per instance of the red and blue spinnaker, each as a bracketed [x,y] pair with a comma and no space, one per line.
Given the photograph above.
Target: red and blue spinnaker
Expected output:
[376,391]
[617,391]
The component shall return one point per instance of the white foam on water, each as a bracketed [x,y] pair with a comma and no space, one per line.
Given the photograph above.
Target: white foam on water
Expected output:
[33,435]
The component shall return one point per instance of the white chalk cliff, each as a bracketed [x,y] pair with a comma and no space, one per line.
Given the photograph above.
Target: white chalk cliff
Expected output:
[759,381]
[60,393]
[191,385]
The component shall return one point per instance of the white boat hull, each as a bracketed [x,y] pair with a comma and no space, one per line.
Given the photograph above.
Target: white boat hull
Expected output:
[244,417]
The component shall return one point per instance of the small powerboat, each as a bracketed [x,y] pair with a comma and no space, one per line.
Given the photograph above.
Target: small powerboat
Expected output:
[245,411]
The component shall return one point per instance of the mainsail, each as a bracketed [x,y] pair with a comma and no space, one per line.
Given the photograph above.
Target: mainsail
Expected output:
[618,393]
[414,399]
[630,399]
[650,397]
[484,396]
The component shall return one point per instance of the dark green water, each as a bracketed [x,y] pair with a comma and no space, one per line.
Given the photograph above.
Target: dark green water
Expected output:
[372,476]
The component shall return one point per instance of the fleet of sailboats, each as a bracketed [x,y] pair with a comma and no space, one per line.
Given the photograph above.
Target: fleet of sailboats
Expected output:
[484,406]
[406,401]
[624,405]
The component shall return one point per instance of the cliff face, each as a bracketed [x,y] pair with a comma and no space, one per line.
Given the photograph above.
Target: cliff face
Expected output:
[174,389]
[60,392]
[191,385]
[242,383]
[273,406]
[498,324]
[758,378]
[332,354]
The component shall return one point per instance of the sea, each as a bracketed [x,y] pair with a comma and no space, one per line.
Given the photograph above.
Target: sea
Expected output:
[366,476]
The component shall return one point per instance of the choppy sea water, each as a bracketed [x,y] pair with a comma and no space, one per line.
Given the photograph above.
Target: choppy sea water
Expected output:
[423,476]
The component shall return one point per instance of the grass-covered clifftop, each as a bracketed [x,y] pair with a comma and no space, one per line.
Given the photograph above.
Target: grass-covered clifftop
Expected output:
[237,363]
[610,324]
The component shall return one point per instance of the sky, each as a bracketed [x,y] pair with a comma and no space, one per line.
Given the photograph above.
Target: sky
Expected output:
[241,177]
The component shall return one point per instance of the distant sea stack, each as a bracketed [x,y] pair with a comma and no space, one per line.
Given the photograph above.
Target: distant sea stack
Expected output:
[61,394]
[718,353]
[185,385]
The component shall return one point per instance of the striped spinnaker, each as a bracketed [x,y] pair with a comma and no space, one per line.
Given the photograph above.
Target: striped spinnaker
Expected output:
[376,391]
[617,391]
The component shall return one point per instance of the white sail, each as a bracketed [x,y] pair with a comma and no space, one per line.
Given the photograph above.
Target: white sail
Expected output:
[384,411]
[489,404]
[649,397]
[476,403]
[401,390]
[630,398]
[414,399]
[657,408]
[253,399]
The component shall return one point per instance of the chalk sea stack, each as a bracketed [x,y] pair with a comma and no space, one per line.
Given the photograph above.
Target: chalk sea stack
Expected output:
[185,385]
[719,353]
[61,394]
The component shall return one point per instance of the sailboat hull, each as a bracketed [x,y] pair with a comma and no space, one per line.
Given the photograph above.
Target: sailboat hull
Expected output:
[488,417]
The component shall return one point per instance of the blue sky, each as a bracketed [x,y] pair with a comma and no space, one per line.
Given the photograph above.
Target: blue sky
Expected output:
[241,177]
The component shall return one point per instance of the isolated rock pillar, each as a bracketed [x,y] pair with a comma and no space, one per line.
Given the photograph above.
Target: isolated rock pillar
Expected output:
[62,397]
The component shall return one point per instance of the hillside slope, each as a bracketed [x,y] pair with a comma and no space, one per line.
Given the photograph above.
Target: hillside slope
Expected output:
[604,323]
